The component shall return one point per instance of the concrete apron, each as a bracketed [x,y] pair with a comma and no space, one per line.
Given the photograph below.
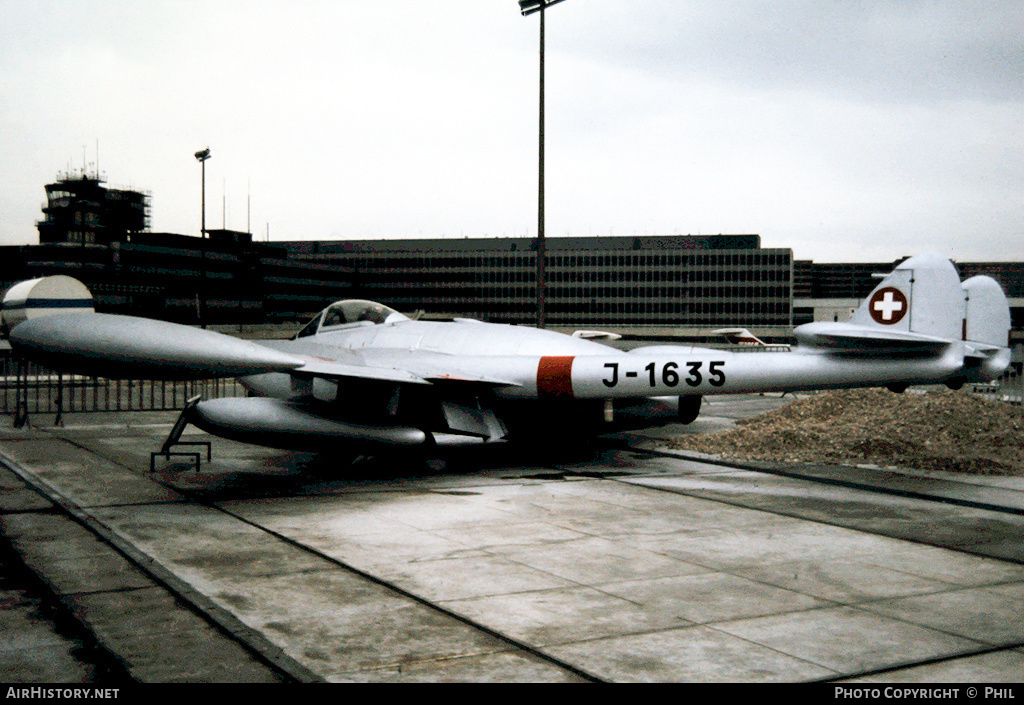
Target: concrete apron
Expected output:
[611,568]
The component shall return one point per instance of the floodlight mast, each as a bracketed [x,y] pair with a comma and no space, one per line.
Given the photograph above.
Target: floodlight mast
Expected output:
[528,7]
[202,155]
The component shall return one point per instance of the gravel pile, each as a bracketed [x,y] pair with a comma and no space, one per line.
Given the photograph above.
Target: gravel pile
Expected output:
[939,430]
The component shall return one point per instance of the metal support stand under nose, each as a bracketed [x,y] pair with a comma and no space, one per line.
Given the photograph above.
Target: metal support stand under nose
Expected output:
[174,436]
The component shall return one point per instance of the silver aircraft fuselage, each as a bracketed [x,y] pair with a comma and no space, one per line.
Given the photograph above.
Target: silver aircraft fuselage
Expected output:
[363,374]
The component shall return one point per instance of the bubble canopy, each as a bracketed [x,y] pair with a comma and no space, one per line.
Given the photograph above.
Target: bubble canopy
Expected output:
[350,312]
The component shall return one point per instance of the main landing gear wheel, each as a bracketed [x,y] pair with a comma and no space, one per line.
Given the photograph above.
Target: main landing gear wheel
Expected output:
[689,407]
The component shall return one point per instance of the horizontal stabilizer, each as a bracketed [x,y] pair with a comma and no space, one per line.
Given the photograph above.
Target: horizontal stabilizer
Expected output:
[922,309]
[739,336]
[124,347]
[849,336]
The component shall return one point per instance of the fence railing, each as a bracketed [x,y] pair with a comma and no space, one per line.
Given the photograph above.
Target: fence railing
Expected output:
[29,388]
[1008,388]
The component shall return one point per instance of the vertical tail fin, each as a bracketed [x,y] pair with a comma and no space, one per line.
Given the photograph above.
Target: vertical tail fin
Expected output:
[921,308]
[923,295]
[986,330]
[988,312]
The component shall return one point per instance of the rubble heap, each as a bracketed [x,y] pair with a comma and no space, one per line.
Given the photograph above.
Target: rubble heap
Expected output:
[939,430]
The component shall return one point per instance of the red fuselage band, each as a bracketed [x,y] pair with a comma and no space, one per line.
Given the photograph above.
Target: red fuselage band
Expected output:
[554,377]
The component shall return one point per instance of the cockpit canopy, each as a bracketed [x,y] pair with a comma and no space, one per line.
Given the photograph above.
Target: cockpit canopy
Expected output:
[350,313]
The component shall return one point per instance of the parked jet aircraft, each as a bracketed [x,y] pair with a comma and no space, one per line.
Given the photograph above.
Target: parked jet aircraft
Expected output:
[363,376]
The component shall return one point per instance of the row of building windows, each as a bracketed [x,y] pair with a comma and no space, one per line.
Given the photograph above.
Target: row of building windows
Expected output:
[499,291]
[406,261]
[612,312]
[398,276]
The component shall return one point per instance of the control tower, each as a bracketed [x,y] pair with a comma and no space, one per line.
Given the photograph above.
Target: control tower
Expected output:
[80,209]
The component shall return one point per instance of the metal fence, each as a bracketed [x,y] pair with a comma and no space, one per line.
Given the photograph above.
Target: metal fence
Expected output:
[28,388]
[1008,388]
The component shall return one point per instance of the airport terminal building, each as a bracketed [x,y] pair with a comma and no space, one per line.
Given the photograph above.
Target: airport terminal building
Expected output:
[654,280]
[672,286]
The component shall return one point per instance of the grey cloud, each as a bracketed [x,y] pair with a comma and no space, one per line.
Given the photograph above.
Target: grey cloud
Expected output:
[876,51]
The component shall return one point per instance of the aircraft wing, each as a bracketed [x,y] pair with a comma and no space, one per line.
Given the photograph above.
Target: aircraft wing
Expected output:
[120,347]
[332,362]
[334,369]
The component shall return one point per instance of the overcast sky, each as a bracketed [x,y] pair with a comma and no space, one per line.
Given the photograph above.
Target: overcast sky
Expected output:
[847,131]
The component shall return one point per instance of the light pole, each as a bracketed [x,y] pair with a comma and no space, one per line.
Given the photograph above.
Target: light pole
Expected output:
[202,156]
[528,7]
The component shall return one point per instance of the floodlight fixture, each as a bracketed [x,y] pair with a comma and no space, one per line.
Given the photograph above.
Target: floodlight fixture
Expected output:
[528,7]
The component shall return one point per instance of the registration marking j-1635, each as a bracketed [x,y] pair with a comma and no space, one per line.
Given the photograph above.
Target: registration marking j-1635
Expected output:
[669,374]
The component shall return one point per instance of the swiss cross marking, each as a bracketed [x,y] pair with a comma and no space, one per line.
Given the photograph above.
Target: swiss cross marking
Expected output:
[888,306]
